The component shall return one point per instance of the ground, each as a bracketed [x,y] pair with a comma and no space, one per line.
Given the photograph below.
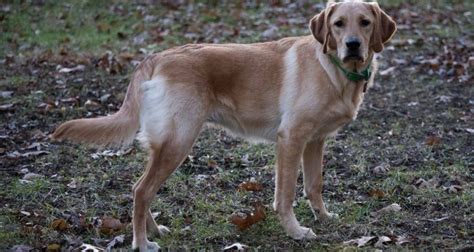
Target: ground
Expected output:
[410,148]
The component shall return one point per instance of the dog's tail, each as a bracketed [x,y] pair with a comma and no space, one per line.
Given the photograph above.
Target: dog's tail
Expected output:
[118,129]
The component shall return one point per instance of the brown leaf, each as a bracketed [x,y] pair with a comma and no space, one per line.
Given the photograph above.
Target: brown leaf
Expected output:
[103,27]
[244,221]
[434,64]
[59,224]
[53,247]
[212,164]
[376,193]
[432,140]
[92,105]
[459,69]
[126,56]
[250,186]
[110,225]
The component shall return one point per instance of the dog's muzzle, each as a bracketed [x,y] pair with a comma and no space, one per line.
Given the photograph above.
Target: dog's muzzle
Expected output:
[353,52]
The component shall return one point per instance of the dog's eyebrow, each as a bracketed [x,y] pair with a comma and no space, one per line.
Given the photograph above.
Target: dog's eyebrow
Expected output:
[363,16]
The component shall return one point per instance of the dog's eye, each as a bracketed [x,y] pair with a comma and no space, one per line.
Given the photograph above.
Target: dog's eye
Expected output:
[339,23]
[364,22]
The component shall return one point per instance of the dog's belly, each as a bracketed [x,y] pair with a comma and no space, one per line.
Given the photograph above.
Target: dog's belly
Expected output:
[253,128]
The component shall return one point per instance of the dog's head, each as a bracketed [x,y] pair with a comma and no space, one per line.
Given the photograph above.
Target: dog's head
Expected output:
[353,29]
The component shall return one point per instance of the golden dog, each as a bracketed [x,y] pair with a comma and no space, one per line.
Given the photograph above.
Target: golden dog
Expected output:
[295,91]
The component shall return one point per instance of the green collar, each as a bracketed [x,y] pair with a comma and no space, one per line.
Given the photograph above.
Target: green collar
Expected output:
[350,75]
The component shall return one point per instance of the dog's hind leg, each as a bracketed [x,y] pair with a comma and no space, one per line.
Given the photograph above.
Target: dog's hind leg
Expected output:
[163,160]
[171,118]
[151,226]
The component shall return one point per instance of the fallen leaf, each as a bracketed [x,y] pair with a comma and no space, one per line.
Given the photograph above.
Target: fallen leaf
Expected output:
[236,246]
[434,64]
[404,239]
[376,193]
[90,248]
[212,164]
[25,213]
[6,94]
[438,219]
[53,247]
[59,225]
[453,188]
[382,240]
[92,105]
[393,208]
[444,98]
[34,153]
[72,184]
[459,69]
[7,107]
[432,140]
[21,248]
[32,176]
[110,225]
[78,68]
[103,27]
[244,221]
[111,153]
[387,71]
[364,240]
[422,183]
[117,240]
[250,186]
[381,169]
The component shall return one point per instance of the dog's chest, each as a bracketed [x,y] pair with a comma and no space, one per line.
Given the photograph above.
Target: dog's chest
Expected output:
[337,113]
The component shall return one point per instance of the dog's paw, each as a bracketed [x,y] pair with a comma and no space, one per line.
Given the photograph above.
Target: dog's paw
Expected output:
[163,230]
[157,230]
[302,233]
[146,246]
[324,215]
[329,215]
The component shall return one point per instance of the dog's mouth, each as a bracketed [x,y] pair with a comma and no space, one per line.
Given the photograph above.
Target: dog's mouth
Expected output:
[352,57]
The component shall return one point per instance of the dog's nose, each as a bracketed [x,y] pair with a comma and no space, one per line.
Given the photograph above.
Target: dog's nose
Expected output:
[353,44]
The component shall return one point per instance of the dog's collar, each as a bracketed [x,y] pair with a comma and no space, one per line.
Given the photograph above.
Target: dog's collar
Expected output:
[351,75]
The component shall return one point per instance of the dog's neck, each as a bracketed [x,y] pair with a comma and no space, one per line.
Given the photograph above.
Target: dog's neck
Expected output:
[338,77]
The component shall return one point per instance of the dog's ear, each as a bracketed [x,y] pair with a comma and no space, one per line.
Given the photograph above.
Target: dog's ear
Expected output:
[384,28]
[319,26]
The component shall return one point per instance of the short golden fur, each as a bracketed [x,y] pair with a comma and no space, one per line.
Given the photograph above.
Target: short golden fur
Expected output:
[287,91]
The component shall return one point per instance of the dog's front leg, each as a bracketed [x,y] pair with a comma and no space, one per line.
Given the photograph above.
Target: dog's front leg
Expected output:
[313,178]
[290,147]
